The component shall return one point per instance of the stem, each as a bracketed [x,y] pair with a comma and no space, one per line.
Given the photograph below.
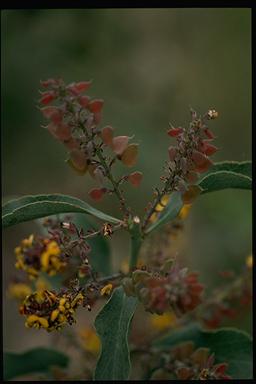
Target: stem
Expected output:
[115,184]
[136,242]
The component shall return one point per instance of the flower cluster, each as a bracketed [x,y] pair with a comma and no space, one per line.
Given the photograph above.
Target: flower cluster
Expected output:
[74,122]
[227,300]
[51,310]
[184,362]
[172,288]
[37,254]
[187,159]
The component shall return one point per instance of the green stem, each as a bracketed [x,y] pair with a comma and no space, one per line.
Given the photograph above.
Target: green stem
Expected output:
[136,241]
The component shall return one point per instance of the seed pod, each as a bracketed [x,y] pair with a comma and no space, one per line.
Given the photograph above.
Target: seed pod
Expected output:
[209,134]
[63,131]
[202,163]
[192,177]
[107,135]
[135,178]
[130,155]
[97,193]
[47,97]
[119,144]
[48,83]
[174,132]
[52,113]
[208,149]
[95,105]
[84,101]
[78,161]
[172,153]
[191,194]
[77,88]
[71,143]
[99,175]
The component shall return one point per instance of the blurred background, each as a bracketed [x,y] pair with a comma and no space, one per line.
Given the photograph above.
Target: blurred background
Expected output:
[150,66]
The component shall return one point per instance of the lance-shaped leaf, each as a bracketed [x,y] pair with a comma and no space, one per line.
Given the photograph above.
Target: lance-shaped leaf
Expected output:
[169,213]
[34,360]
[33,207]
[228,344]
[227,174]
[112,325]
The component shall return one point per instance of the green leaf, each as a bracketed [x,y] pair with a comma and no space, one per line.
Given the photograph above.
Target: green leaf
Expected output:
[34,360]
[169,213]
[112,325]
[243,167]
[32,207]
[229,345]
[100,256]
[227,174]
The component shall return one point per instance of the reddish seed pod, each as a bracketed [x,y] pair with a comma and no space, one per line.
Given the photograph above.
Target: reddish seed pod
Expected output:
[209,149]
[202,163]
[48,83]
[78,161]
[174,132]
[52,113]
[97,193]
[97,117]
[209,134]
[119,144]
[172,153]
[192,177]
[77,88]
[130,155]
[95,105]
[63,131]
[84,101]
[135,178]
[47,97]
[107,135]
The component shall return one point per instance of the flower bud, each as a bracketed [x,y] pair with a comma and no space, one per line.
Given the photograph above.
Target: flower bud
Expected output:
[107,135]
[130,155]
[119,144]
[174,132]
[135,178]
[172,153]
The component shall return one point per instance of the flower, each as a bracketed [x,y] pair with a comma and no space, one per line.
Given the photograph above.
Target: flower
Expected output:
[50,310]
[106,290]
[163,322]
[172,288]
[249,261]
[19,290]
[90,340]
[36,254]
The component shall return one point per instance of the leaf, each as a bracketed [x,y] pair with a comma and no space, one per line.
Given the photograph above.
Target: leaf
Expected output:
[112,325]
[130,155]
[217,181]
[34,360]
[100,256]
[229,345]
[243,167]
[227,174]
[169,213]
[32,207]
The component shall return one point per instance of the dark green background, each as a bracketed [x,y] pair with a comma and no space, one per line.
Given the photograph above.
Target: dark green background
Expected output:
[149,65]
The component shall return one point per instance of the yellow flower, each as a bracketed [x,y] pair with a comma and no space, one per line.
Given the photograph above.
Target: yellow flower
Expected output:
[36,322]
[28,242]
[249,261]
[19,290]
[42,284]
[184,211]
[106,290]
[163,322]
[90,340]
